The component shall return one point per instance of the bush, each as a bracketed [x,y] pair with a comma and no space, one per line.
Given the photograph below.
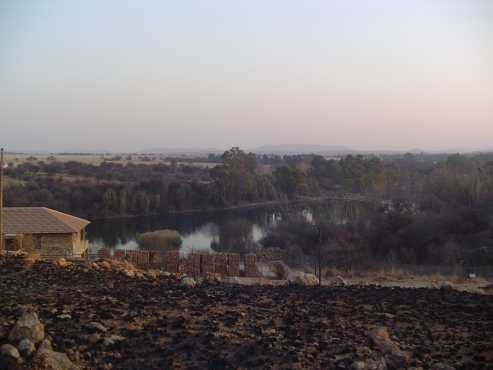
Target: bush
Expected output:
[160,239]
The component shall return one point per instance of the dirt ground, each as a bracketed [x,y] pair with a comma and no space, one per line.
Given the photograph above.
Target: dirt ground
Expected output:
[163,324]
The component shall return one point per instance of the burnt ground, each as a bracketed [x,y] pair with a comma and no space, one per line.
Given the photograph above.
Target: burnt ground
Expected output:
[165,325]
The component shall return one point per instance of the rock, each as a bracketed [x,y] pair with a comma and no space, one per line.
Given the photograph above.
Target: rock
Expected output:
[280,270]
[28,327]
[105,264]
[62,262]
[96,326]
[393,354]
[358,365]
[369,365]
[337,281]
[109,341]
[152,274]
[9,352]
[45,345]
[51,360]
[213,278]
[187,281]
[442,366]
[446,285]
[94,338]
[233,280]
[26,347]
[305,279]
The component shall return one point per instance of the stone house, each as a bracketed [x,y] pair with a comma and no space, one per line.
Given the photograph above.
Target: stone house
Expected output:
[44,231]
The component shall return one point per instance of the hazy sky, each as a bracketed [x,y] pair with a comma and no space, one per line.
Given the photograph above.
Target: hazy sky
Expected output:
[129,75]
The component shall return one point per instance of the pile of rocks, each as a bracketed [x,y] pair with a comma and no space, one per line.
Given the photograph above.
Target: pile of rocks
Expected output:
[29,348]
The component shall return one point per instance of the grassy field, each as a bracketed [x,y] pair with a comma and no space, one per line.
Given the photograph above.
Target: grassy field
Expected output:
[16,159]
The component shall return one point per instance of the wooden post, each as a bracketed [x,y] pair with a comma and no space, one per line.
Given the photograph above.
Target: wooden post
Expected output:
[1,200]
[319,240]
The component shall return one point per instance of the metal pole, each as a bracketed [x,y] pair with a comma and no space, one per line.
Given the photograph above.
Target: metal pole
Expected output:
[1,200]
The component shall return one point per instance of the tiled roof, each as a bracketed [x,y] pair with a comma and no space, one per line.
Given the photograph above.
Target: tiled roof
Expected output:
[40,220]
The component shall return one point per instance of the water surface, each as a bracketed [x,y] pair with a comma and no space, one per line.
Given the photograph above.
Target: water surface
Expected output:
[231,230]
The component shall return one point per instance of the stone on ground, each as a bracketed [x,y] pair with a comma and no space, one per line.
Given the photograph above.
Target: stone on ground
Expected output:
[305,279]
[26,347]
[51,360]
[188,281]
[62,262]
[8,351]
[391,349]
[28,327]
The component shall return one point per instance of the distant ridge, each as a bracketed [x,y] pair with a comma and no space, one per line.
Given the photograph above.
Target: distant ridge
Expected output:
[181,151]
[85,151]
[303,149]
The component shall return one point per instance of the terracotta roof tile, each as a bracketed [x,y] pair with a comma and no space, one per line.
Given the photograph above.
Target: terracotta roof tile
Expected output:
[40,220]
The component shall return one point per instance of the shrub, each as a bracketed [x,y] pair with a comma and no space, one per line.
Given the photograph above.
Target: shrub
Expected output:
[160,239]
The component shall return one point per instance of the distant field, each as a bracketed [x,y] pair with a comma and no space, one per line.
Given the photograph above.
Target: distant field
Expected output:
[11,182]
[16,159]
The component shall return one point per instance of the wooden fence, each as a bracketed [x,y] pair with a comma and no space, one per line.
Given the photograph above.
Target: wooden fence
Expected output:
[195,263]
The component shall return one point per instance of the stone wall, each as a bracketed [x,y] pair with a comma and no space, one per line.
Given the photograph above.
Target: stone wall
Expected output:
[51,245]
[26,242]
[56,245]
[195,264]
[251,269]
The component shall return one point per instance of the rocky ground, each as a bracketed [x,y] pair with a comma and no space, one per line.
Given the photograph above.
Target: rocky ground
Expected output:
[99,316]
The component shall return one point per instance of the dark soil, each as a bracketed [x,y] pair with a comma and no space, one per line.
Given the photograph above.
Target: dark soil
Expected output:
[220,326]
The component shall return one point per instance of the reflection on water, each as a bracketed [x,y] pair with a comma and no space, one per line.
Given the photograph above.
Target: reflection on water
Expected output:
[225,231]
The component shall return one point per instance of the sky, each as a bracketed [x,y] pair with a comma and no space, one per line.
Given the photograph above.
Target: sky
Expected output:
[127,75]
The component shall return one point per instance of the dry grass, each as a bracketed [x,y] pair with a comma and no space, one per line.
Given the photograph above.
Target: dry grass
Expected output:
[396,275]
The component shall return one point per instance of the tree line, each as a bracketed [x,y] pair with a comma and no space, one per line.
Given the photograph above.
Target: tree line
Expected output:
[127,189]
[436,212]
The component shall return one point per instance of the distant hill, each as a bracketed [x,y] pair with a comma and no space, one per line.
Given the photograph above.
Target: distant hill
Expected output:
[303,149]
[85,151]
[182,151]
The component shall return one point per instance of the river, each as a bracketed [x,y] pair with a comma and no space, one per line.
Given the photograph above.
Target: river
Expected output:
[228,230]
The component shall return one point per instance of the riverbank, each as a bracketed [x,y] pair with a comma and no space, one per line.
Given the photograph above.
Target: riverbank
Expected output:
[245,206]
[104,318]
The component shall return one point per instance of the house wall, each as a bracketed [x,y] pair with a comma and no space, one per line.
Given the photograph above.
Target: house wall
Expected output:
[56,245]
[52,245]
[31,243]
[80,243]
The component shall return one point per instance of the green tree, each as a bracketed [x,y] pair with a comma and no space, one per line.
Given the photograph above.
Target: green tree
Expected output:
[123,202]
[290,181]
[141,203]
[110,202]
[236,178]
